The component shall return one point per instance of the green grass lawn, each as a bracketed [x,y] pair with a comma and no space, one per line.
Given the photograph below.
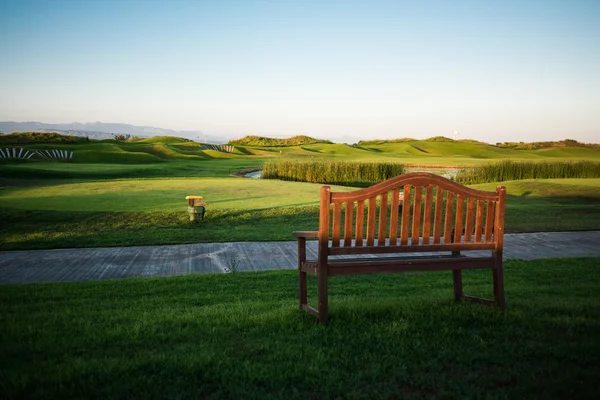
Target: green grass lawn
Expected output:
[105,171]
[114,196]
[241,336]
[64,213]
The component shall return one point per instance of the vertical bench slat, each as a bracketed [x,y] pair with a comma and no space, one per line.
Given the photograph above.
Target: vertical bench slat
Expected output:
[394,216]
[348,225]
[381,235]
[478,221]
[405,216]
[416,222]
[458,221]
[437,223]
[448,219]
[360,223]
[336,224]
[469,218]
[489,221]
[372,210]
[427,214]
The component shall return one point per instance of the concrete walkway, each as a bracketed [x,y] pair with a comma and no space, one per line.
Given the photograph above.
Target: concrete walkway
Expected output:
[68,265]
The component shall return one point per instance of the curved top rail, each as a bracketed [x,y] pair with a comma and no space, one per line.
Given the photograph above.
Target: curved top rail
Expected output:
[416,179]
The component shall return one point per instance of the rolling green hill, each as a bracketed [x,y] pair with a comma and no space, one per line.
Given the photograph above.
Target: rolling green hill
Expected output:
[259,141]
[437,151]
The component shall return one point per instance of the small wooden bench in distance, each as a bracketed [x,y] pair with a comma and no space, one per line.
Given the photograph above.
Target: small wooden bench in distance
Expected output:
[366,231]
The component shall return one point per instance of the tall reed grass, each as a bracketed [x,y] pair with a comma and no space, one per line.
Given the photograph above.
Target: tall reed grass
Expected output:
[511,170]
[331,172]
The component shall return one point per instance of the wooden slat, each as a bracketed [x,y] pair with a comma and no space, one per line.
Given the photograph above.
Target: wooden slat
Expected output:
[336,224]
[500,215]
[349,267]
[310,310]
[382,233]
[458,221]
[338,251]
[478,221]
[437,223]
[371,215]
[405,216]
[427,215]
[360,223]
[323,270]
[394,216]
[498,274]
[448,218]
[416,222]
[479,300]
[489,221]
[469,218]
[348,224]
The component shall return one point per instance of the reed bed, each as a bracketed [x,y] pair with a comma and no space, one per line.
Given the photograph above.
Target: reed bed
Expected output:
[331,172]
[511,170]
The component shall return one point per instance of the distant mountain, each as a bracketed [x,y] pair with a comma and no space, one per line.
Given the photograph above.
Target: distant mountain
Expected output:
[103,130]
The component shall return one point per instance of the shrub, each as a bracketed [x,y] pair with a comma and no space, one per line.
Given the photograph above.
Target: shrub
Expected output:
[510,170]
[40,137]
[331,172]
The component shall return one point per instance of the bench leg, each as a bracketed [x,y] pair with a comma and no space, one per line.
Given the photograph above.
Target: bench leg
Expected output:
[323,301]
[302,297]
[458,286]
[498,276]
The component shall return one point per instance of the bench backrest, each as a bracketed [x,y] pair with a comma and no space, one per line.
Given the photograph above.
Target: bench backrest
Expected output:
[435,214]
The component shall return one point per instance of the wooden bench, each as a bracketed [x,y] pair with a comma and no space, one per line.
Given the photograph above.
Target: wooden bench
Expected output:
[366,231]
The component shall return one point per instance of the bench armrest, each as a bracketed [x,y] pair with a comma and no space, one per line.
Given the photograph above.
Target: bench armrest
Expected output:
[302,236]
[306,234]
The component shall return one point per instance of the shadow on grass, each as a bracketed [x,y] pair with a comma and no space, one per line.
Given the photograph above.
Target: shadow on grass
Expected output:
[35,229]
[241,336]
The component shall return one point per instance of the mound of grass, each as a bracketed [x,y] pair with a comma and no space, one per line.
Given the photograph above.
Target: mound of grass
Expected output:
[259,141]
[548,145]
[241,336]
[381,141]
[40,137]
[439,139]
[165,139]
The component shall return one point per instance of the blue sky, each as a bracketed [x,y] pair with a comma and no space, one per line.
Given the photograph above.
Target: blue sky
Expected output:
[342,70]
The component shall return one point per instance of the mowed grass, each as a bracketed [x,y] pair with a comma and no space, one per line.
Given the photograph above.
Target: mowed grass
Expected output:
[149,212]
[149,195]
[63,214]
[106,171]
[241,336]
[545,205]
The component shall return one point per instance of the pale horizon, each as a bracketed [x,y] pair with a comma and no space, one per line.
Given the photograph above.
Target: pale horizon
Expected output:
[494,71]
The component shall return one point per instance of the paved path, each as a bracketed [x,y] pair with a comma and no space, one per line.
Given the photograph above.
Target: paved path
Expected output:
[64,265]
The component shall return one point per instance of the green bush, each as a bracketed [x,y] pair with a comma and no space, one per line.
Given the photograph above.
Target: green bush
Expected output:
[510,170]
[40,137]
[331,172]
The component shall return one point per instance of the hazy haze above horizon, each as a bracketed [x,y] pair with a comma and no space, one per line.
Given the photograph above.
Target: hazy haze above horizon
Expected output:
[494,71]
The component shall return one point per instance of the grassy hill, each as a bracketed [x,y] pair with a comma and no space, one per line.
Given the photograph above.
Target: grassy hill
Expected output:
[436,151]
[260,141]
